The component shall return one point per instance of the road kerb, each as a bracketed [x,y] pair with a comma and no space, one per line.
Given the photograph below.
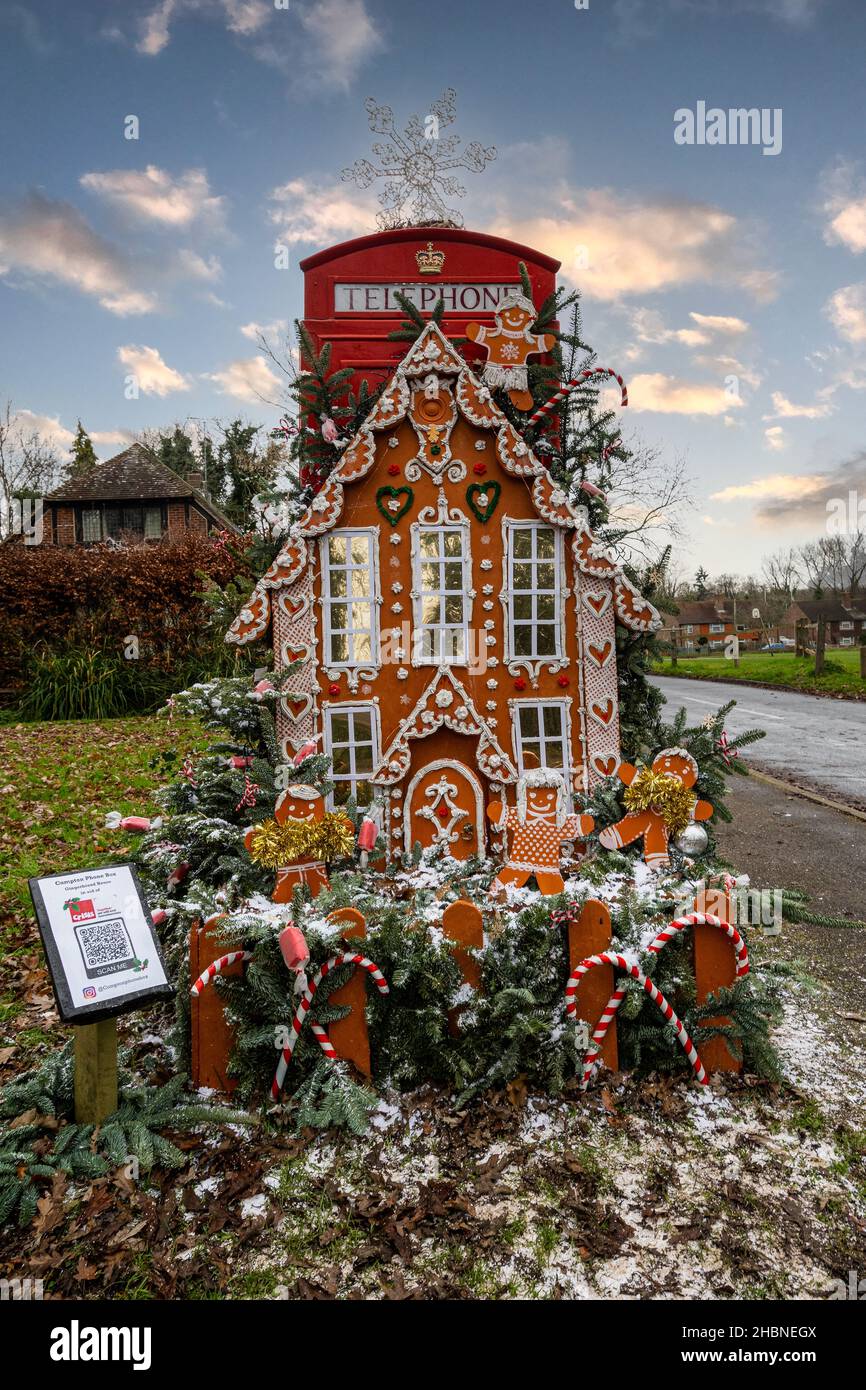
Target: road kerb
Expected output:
[796,790]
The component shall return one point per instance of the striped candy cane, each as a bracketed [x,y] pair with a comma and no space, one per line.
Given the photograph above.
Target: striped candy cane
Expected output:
[572,385]
[345,958]
[321,1036]
[664,936]
[655,994]
[216,967]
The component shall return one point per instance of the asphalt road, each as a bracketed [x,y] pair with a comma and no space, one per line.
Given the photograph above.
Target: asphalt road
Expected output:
[818,742]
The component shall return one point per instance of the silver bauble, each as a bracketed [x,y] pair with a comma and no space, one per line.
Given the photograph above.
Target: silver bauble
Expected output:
[692,841]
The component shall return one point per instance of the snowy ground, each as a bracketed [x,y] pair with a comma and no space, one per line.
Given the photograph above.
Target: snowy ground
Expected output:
[659,1189]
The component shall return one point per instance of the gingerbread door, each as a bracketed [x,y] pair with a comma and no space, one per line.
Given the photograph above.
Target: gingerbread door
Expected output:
[444,806]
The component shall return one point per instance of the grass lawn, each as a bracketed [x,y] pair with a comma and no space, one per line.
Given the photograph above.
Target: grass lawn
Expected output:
[841,671]
[60,781]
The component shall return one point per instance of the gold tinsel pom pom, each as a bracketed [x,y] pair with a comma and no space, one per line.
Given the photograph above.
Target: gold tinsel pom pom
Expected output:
[659,791]
[273,845]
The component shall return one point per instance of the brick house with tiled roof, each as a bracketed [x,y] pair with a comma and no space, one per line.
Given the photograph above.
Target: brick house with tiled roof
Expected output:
[132,498]
[709,618]
[845,622]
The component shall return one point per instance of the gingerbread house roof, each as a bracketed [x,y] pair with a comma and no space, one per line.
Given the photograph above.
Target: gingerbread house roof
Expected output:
[432,352]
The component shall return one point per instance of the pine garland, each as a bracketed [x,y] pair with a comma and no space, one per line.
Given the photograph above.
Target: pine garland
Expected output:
[32,1150]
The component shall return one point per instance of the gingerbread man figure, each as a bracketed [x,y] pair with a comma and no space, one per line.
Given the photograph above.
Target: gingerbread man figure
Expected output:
[539,825]
[509,345]
[649,822]
[301,805]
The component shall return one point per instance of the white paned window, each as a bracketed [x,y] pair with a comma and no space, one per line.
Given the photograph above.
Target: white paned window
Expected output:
[534,588]
[352,743]
[541,734]
[91,526]
[442,583]
[349,599]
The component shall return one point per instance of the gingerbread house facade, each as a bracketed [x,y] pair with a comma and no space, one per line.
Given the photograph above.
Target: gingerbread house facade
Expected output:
[451,615]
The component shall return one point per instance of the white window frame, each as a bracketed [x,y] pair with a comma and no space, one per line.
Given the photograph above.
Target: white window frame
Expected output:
[564,706]
[846,627]
[846,641]
[353,777]
[688,627]
[367,668]
[420,627]
[717,627]
[555,660]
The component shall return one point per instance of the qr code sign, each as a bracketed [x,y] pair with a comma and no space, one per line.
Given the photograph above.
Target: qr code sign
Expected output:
[105,947]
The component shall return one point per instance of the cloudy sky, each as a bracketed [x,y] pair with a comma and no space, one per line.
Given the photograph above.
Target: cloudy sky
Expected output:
[727,285]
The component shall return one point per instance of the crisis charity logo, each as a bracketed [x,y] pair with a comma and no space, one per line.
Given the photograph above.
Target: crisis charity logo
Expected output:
[80,909]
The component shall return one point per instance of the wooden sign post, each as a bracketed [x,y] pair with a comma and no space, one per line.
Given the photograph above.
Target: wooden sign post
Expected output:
[95,1071]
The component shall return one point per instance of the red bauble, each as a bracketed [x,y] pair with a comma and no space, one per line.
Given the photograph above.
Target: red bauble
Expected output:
[443,813]
[563,681]
[479,468]
[520,683]
[393,469]
[334,689]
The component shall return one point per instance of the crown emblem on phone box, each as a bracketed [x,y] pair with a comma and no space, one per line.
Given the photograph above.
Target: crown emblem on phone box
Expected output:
[430,262]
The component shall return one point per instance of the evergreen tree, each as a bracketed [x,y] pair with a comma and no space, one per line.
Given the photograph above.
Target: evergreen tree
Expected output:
[248,468]
[175,450]
[701,581]
[83,458]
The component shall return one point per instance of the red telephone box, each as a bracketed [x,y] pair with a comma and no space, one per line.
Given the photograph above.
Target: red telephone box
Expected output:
[349,289]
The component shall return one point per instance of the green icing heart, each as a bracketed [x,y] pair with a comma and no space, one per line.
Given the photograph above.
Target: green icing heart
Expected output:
[491,491]
[394,492]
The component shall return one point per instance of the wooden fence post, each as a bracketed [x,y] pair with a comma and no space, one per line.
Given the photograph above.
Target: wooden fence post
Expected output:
[715,968]
[588,936]
[349,1035]
[462,923]
[211,1036]
[820,644]
[863,658]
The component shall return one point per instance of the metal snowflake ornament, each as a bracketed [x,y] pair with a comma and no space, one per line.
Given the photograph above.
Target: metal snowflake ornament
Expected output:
[417,161]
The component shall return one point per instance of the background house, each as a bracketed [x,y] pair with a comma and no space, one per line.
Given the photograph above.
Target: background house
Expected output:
[132,498]
[707,624]
[845,622]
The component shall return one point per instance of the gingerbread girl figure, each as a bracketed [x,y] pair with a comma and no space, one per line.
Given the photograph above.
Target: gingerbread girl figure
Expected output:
[660,804]
[539,825]
[299,804]
[509,345]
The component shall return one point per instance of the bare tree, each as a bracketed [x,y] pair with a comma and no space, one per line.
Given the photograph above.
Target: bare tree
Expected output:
[781,571]
[647,496]
[814,563]
[855,561]
[29,464]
